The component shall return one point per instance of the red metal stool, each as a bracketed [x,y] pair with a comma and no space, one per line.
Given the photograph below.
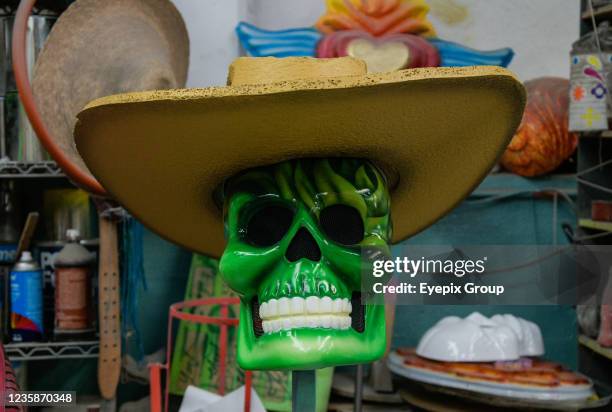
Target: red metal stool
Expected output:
[223,321]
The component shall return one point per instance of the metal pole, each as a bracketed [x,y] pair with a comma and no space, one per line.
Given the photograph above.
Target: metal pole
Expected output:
[358,388]
[303,391]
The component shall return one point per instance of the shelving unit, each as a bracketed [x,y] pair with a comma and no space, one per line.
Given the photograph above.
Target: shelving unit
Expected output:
[594,183]
[606,134]
[594,148]
[52,350]
[600,13]
[37,176]
[19,170]
[597,183]
[65,363]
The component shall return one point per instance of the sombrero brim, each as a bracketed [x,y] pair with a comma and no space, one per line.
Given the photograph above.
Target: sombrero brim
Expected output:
[437,133]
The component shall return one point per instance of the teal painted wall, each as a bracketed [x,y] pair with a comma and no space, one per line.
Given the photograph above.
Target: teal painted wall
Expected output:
[166,269]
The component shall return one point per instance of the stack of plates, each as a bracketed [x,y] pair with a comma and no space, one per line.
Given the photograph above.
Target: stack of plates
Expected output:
[581,390]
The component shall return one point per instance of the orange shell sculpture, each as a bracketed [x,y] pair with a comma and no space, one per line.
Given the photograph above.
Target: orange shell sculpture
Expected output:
[542,141]
[377,17]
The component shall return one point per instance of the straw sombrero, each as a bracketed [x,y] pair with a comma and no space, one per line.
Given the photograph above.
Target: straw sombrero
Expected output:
[435,132]
[98,48]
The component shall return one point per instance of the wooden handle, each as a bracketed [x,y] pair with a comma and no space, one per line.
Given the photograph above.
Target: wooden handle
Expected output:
[109,362]
[27,233]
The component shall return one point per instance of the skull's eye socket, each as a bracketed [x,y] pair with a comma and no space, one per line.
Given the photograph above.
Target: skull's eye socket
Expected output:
[268,224]
[342,224]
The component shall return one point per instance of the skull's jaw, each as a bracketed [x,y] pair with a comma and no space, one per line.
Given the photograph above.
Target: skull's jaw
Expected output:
[311,347]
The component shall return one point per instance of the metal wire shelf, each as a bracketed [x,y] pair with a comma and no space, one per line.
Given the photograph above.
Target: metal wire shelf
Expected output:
[52,350]
[15,170]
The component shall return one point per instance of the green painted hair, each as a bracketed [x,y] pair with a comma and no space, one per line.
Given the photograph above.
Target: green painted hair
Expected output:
[319,183]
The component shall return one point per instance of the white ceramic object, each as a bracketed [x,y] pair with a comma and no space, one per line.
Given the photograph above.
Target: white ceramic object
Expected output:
[477,338]
[473,339]
[529,334]
[200,400]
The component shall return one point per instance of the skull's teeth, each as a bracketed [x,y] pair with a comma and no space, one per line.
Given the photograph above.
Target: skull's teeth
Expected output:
[297,306]
[309,321]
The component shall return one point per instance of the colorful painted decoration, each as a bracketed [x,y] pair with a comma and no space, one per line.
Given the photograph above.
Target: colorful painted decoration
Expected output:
[542,141]
[381,54]
[377,17]
[588,92]
[284,43]
[455,55]
[387,34]
[296,232]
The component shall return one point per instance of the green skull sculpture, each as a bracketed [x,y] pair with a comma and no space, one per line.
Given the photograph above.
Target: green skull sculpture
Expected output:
[296,231]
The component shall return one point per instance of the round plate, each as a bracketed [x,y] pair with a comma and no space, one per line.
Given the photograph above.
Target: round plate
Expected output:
[561,394]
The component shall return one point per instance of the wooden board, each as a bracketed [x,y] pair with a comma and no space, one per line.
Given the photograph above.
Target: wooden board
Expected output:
[598,12]
[595,224]
[595,346]
[109,361]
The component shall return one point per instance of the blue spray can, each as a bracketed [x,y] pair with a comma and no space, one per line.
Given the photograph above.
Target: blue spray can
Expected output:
[26,300]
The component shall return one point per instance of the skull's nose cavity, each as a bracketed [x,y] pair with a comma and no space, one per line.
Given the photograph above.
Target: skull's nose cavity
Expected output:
[303,246]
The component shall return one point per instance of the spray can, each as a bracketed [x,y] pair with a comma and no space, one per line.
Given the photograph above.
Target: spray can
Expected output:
[73,314]
[26,300]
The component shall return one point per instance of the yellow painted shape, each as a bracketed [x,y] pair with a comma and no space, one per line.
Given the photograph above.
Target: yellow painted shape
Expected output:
[590,116]
[345,10]
[382,57]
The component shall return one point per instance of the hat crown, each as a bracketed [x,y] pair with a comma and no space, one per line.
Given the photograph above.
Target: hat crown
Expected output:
[263,70]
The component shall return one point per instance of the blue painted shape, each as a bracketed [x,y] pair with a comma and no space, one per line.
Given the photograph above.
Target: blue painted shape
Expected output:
[456,55]
[258,42]
[282,43]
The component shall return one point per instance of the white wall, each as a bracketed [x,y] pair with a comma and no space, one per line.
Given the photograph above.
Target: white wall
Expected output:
[213,43]
[280,14]
[540,31]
